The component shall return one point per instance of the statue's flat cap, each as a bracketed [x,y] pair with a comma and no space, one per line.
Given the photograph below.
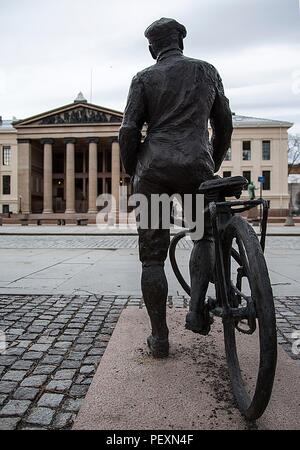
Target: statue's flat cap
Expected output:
[163,28]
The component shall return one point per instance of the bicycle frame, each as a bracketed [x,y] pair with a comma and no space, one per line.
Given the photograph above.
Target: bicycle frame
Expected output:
[221,213]
[229,208]
[229,302]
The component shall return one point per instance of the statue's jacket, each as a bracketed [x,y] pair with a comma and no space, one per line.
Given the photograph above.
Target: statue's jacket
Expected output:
[176,98]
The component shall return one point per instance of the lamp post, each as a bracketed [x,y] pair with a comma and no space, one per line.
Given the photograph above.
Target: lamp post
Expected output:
[261,180]
[20,204]
[289,222]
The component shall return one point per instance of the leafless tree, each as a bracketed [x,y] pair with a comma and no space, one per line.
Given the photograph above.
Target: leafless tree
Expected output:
[293,151]
[293,160]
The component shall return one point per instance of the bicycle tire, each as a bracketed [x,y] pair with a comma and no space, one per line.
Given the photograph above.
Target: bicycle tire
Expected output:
[172,256]
[252,407]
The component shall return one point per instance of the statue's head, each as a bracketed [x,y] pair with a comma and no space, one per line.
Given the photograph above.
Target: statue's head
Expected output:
[165,34]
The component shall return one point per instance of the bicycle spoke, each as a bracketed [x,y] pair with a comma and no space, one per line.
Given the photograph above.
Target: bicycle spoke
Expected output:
[243,254]
[237,291]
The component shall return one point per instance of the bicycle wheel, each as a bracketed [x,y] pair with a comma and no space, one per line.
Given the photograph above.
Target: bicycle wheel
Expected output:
[252,288]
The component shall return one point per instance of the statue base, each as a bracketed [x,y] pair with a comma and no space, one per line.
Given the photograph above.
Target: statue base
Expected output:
[187,391]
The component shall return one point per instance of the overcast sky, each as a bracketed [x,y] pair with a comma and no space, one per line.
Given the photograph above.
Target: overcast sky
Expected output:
[48,48]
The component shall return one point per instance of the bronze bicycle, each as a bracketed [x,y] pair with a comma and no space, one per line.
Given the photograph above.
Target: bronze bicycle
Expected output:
[244,298]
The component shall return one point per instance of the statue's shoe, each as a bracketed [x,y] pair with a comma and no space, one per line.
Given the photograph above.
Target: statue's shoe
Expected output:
[158,347]
[198,323]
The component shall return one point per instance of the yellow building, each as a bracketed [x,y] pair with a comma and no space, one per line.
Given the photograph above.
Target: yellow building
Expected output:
[56,163]
[8,168]
[259,147]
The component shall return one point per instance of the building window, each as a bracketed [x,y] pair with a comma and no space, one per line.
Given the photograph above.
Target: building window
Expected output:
[247,175]
[108,186]
[59,163]
[266,150]
[5,209]
[6,156]
[99,186]
[6,185]
[228,155]
[227,174]
[79,162]
[267,183]
[100,162]
[37,185]
[108,162]
[246,150]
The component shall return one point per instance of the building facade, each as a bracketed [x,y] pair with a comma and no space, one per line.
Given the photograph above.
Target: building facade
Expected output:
[55,164]
[259,148]
[8,168]
[67,157]
[294,188]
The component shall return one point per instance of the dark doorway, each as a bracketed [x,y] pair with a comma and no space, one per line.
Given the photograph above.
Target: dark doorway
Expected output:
[80,197]
[59,204]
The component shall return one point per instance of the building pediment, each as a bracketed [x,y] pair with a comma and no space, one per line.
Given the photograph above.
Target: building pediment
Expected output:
[74,114]
[79,115]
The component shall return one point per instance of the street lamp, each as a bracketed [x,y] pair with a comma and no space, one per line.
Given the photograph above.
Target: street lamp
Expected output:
[20,204]
[289,222]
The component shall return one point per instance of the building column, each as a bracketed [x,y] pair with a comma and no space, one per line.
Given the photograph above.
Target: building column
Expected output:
[115,172]
[24,175]
[70,175]
[93,174]
[48,196]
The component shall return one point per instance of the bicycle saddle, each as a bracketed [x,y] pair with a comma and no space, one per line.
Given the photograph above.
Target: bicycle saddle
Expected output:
[225,187]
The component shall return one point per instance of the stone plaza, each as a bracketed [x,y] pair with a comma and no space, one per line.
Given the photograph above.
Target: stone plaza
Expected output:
[60,300]
[149,219]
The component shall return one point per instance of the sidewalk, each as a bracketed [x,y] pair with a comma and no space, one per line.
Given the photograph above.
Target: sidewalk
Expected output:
[190,390]
[92,230]
[67,230]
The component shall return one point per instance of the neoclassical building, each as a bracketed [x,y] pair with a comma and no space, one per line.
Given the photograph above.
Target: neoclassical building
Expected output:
[56,163]
[67,157]
[259,148]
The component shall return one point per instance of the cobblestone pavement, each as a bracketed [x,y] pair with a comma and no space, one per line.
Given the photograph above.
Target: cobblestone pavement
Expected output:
[54,346]
[116,242]
[288,323]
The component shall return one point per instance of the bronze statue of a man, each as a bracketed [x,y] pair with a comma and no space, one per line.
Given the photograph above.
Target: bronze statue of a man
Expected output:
[176,97]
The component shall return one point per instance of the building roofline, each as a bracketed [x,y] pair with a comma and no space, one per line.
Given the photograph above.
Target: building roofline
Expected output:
[240,121]
[66,107]
[7,127]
